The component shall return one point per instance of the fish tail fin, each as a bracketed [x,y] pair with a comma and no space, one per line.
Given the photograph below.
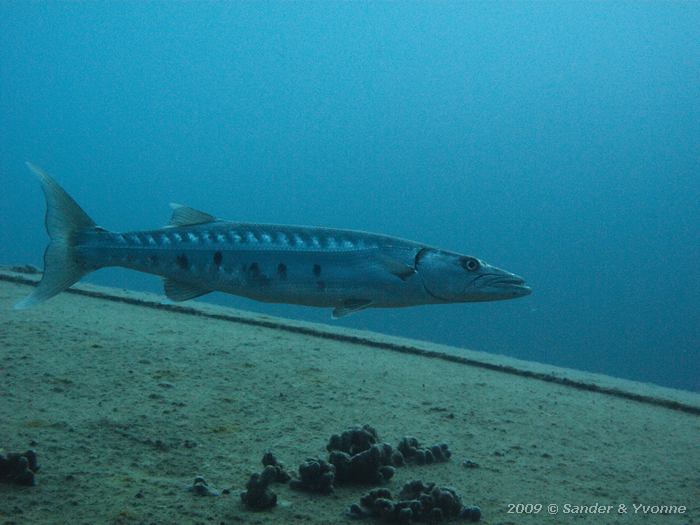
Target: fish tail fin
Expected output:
[65,219]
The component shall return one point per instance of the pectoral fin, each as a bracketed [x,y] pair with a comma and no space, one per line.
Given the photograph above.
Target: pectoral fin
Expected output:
[400,269]
[350,306]
[179,291]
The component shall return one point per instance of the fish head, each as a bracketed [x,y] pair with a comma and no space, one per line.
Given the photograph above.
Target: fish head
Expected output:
[454,278]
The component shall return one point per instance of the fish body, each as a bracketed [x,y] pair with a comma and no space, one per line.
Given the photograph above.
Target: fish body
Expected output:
[198,253]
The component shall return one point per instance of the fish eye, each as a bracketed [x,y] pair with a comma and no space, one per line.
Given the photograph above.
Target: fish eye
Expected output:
[470,264]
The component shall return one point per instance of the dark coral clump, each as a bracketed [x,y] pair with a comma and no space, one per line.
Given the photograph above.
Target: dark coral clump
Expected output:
[354,440]
[258,495]
[281,475]
[472,514]
[417,501]
[412,450]
[200,487]
[359,457]
[315,475]
[19,468]
[374,465]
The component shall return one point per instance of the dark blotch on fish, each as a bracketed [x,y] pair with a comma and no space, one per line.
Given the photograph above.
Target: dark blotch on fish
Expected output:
[182,261]
[282,270]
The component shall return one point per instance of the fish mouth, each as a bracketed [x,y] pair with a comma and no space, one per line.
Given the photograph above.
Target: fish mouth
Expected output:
[511,285]
[506,282]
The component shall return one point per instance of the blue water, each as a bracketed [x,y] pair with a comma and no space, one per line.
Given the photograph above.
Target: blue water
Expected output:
[560,141]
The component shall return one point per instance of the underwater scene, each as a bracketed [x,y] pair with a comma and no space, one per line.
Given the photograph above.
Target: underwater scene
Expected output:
[338,262]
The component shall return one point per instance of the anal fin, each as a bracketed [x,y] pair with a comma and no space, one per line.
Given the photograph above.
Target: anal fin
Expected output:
[181,291]
[350,306]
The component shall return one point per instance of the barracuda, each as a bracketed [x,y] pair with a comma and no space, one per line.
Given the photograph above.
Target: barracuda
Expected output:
[198,253]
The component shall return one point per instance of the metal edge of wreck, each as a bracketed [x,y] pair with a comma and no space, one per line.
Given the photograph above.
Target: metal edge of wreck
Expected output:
[27,275]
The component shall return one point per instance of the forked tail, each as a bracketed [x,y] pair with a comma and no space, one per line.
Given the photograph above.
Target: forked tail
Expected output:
[64,221]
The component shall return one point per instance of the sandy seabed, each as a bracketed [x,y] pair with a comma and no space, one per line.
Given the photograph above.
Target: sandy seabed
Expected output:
[126,403]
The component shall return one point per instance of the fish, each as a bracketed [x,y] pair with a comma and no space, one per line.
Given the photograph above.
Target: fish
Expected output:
[198,253]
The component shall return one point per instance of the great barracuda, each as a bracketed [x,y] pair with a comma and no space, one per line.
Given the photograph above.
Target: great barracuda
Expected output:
[198,253]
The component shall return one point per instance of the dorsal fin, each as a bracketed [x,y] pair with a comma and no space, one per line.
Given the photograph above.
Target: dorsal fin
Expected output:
[186,216]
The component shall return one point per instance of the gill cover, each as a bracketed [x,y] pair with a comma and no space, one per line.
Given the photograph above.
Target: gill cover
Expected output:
[447,276]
